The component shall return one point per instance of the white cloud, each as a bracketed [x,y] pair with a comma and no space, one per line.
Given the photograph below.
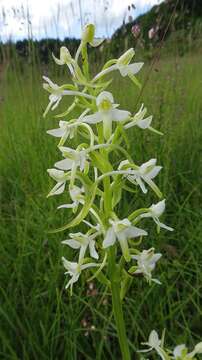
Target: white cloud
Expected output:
[62,17]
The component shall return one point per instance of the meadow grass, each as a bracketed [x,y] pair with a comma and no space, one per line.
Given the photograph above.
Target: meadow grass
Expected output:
[39,320]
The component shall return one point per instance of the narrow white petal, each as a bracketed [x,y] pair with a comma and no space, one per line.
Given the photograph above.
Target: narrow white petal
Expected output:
[119,115]
[56,132]
[72,243]
[133,231]
[109,239]
[57,189]
[144,123]
[65,164]
[130,69]
[163,226]
[67,206]
[93,252]
[92,119]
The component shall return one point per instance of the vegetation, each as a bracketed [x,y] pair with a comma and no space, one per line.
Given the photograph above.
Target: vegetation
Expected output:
[38,318]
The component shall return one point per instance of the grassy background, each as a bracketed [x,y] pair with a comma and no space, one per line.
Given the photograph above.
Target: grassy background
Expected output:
[38,318]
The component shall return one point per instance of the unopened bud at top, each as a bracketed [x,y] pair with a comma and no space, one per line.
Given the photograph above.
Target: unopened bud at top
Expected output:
[88,33]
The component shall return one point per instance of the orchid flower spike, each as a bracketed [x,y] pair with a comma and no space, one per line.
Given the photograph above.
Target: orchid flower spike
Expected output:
[146,262]
[76,195]
[107,112]
[122,230]
[83,241]
[57,92]
[122,64]
[61,179]
[144,173]
[74,269]
[155,211]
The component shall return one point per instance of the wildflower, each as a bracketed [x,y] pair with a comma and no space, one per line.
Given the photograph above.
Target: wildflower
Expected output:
[82,242]
[122,230]
[144,173]
[76,196]
[57,92]
[136,30]
[122,64]
[64,131]
[151,33]
[180,352]
[65,58]
[155,211]
[67,128]
[74,269]
[146,262]
[107,112]
[61,178]
[154,343]
[138,119]
[73,159]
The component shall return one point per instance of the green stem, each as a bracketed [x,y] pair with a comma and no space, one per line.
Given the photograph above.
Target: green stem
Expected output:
[114,276]
[117,305]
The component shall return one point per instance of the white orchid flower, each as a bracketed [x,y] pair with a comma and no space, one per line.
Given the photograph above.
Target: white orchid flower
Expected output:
[180,352]
[138,119]
[73,159]
[146,262]
[155,211]
[76,195]
[122,230]
[83,241]
[64,131]
[144,173]
[65,59]
[57,92]
[122,64]
[74,269]
[61,178]
[107,112]
[154,343]
[68,129]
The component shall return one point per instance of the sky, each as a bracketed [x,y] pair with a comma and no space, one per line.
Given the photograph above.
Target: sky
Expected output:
[63,18]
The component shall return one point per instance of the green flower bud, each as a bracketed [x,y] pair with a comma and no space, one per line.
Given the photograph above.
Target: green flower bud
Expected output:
[88,33]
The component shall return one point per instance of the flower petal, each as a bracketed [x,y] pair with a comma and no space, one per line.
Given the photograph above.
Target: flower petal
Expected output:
[56,132]
[72,243]
[109,239]
[65,164]
[119,115]
[92,119]
[130,69]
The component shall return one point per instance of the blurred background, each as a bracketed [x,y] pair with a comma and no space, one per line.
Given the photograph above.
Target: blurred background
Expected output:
[38,318]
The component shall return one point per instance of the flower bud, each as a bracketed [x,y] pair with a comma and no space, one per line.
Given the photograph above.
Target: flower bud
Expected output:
[88,33]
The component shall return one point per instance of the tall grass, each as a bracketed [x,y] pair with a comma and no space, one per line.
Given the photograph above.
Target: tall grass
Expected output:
[38,318]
